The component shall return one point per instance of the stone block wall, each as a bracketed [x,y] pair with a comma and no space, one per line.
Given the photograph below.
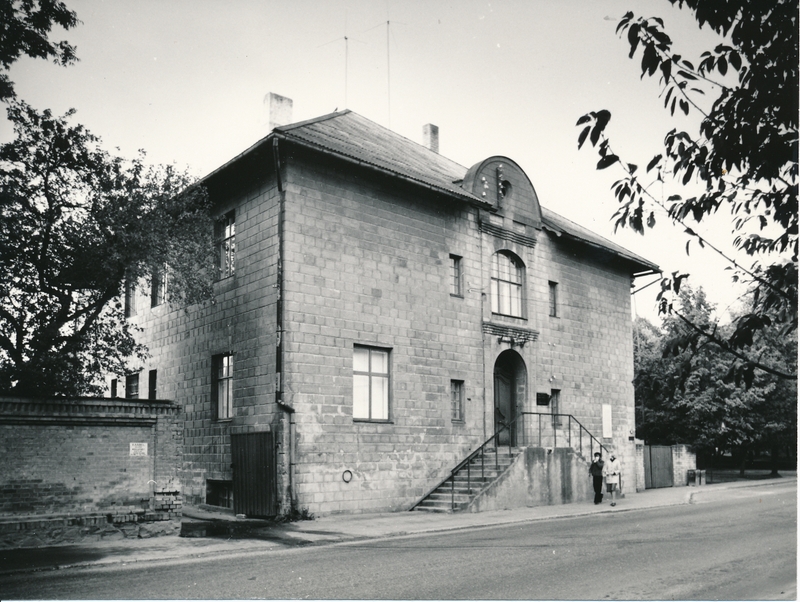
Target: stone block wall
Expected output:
[82,467]
[538,477]
[368,263]
[241,319]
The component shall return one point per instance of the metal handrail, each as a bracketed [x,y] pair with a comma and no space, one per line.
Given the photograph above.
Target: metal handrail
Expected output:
[570,420]
[556,422]
[467,461]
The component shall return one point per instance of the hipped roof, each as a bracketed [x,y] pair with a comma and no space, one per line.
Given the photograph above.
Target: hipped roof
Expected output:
[354,138]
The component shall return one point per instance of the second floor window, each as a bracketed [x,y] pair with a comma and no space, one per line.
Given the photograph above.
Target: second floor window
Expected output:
[225,236]
[130,298]
[507,278]
[553,299]
[222,385]
[132,386]
[158,288]
[455,276]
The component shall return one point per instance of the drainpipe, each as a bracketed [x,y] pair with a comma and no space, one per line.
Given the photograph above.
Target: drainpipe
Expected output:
[280,326]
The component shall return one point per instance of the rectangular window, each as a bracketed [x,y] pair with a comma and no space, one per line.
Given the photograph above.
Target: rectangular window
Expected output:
[457,400]
[132,386]
[370,383]
[151,385]
[222,385]
[130,298]
[225,236]
[114,387]
[455,276]
[555,402]
[553,299]
[158,288]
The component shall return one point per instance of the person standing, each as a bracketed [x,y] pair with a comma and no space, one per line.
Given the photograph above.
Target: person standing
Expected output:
[596,471]
[613,473]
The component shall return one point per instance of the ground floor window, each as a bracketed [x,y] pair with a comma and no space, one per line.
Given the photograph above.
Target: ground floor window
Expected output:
[370,383]
[457,400]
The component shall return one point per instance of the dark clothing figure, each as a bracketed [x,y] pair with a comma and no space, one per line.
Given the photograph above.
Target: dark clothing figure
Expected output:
[596,470]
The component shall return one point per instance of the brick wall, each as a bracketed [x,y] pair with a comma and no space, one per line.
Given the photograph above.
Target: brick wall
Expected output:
[73,461]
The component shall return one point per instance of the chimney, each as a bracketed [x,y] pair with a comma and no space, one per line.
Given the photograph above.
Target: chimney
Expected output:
[280,110]
[430,137]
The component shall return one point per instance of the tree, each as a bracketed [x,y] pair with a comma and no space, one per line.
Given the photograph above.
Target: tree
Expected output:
[743,158]
[76,223]
[684,394]
[24,29]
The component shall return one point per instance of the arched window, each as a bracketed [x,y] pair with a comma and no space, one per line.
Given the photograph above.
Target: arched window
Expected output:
[507,279]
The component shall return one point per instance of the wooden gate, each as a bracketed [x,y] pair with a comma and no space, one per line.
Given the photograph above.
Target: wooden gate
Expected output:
[657,466]
[255,474]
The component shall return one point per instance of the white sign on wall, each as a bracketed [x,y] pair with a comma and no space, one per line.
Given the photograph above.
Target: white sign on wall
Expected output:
[138,449]
[608,432]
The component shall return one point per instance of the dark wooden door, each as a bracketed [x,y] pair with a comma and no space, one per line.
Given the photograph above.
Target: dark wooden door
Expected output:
[657,466]
[254,474]
[504,406]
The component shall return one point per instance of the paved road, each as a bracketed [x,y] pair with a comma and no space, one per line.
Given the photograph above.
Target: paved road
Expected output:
[732,544]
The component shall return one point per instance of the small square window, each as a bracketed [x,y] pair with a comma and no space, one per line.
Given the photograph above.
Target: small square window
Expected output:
[455,276]
[370,383]
[132,386]
[222,385]
[553,286]
[219,493]
[457,400]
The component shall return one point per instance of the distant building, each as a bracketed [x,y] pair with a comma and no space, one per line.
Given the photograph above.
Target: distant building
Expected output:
[380,311]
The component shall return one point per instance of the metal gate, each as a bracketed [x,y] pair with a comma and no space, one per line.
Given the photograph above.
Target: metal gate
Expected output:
[255,472]
[657,466]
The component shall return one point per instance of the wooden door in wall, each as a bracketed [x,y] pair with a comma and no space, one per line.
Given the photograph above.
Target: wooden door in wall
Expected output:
[657,466]
[504,404]
[255,474]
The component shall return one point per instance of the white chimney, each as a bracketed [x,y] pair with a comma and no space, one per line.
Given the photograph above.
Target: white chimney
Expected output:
[430,137]
[280,110]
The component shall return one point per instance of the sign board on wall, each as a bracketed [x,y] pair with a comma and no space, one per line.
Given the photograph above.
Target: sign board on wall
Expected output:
[138,449]
[608,432]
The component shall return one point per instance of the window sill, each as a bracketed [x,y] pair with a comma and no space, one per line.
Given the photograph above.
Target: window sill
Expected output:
[370,421]
[223,419]
[509,316]
[456,296]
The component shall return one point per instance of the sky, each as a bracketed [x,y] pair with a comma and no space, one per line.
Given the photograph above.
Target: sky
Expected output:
[186,80]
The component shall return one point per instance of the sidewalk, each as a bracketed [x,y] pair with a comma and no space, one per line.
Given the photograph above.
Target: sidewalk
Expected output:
[245,536]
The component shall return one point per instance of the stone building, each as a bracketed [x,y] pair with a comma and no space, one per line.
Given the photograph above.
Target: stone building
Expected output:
[379,312]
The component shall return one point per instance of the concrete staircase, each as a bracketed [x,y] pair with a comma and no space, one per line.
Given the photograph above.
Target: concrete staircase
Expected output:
[454,494]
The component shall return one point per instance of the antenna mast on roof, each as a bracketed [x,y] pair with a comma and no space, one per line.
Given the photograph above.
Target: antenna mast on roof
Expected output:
[388,79]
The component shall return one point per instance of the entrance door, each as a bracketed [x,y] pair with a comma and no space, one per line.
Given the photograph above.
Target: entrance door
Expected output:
[504,403]
[254,474]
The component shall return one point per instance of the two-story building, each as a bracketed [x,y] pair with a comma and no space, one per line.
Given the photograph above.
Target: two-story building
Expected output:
[380,311]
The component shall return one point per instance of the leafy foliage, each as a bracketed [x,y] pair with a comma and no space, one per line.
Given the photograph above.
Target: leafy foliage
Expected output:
[75,223]
[24,29]
[691,395]
[744,156]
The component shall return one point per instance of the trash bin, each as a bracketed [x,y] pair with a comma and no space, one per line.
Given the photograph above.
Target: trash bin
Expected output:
[691,477]
[701,477]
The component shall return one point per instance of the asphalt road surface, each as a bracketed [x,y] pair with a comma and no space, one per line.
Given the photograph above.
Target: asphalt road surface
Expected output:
[733,544]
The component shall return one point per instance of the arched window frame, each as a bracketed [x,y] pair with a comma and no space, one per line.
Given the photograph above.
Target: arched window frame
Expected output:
[508,285]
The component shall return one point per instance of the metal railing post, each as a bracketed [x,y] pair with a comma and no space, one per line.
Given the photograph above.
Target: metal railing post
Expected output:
[452,492]
[469,480]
